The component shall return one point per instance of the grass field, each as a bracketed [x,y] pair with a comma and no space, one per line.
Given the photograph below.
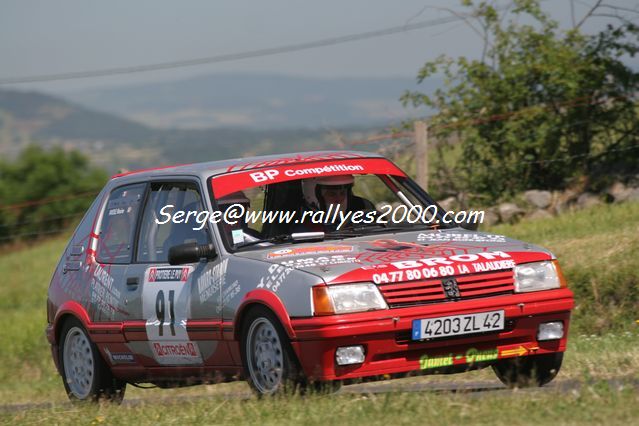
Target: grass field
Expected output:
[595,404]
[597,248]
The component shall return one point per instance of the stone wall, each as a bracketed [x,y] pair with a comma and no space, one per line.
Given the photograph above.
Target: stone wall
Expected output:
[538,204]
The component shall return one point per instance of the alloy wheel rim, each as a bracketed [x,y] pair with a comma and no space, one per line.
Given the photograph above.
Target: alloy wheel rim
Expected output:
[78,363]
[265,356]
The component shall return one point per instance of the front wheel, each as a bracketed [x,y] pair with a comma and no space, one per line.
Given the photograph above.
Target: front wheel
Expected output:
[528,371]
[270,364]
[85,375]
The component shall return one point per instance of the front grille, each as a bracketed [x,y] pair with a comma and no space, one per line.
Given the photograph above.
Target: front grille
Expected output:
[431,291]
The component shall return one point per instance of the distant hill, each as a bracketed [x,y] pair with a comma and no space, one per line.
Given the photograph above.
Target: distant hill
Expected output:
[116,143]
[259,101]
[38,116]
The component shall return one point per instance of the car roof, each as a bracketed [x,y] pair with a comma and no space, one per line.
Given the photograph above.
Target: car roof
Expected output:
[211,168]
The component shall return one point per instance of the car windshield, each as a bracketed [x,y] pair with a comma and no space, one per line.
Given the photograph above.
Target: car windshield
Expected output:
[338,206]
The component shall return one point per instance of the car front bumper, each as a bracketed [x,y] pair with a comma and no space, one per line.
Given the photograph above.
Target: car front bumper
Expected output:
[386,336]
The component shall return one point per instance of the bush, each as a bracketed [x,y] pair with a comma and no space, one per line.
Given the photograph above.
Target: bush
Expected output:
[42,192]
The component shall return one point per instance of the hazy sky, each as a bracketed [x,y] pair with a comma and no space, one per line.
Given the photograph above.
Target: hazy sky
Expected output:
[45,37]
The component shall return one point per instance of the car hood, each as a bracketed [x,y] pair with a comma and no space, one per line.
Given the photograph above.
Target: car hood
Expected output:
[442,253]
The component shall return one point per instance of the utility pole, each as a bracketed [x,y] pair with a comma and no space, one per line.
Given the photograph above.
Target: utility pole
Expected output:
[421,153]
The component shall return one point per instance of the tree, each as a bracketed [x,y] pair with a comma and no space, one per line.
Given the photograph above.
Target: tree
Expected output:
[66,179]
[541,107]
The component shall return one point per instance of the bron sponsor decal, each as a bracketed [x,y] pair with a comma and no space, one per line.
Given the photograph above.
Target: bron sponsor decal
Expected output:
[308,262]
[459,237]
[309,251]
[104,295]
[168,274]
[175,353]
[276,274]
[387,250]
[435,267]
[212,280]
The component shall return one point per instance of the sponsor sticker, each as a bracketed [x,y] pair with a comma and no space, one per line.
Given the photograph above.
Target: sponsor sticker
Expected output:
[120,357]
[237,235]
[168,274]
[298,251]
[298,158]
[228,183]
[436,267]
[276,274]
[104,294]
[211,280]
[459,237]
[471,356]
[306,262]
[176,353]
[228,294]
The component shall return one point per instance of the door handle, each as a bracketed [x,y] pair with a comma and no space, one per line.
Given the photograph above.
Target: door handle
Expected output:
[132,283]
[73,265]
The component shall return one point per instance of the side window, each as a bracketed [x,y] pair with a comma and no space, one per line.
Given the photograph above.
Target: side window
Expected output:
[157,233]
[118,224]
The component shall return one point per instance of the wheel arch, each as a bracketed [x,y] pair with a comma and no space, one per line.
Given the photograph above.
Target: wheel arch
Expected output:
[265,299]
[69,309]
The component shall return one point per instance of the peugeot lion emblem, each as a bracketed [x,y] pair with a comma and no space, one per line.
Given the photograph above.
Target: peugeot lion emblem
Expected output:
[451,288]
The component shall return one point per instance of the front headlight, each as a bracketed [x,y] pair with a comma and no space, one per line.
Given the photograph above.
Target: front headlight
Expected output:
[346,298]
[538,276]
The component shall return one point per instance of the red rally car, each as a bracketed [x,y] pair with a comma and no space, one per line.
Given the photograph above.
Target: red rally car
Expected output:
[293,271]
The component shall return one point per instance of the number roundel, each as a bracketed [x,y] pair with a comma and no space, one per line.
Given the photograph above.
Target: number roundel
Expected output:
[166,300]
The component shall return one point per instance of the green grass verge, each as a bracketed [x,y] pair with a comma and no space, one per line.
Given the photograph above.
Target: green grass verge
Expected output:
[598,249]
[592,404]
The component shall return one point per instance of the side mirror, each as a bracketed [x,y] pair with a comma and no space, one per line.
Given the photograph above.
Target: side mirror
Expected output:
[191,253]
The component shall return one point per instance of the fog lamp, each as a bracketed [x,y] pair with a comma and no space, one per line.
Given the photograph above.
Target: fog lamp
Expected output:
[347,355]
[550,330]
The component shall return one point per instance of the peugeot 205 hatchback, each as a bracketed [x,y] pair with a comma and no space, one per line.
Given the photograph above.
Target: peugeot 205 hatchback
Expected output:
[294,271]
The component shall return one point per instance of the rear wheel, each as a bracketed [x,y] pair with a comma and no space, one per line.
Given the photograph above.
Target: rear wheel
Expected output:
[528,371]
[85,375]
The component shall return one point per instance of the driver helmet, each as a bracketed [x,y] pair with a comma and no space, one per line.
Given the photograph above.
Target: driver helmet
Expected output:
[311,189]
[229,200]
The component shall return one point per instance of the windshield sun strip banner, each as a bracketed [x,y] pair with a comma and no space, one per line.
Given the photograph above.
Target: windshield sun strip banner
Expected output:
[232,182]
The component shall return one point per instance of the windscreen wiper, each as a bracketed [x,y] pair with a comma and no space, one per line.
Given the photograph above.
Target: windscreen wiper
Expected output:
[358,231]
[295,237]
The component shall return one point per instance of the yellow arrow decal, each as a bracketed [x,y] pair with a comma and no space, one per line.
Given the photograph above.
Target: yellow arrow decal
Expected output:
[519,351]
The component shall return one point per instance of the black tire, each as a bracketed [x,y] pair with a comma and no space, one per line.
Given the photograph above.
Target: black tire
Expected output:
[528,371]
[85,375]
[325,388]
[270,365]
